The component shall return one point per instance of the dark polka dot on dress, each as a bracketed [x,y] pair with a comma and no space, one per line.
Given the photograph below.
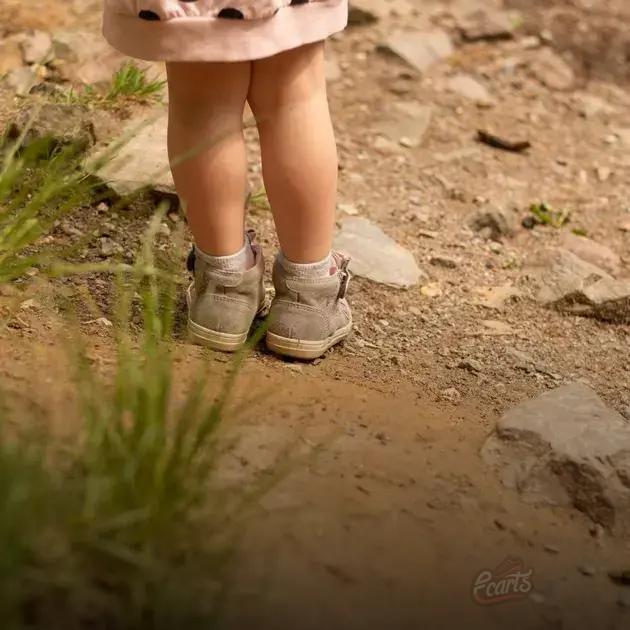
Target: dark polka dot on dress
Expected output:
[151,16]
[231,14]
[294,2]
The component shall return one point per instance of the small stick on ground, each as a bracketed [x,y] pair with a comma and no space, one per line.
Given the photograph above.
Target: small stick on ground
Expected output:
[515,146]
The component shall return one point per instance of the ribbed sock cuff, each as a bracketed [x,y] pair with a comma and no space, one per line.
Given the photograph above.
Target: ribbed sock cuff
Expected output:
[241,261]
[319,269]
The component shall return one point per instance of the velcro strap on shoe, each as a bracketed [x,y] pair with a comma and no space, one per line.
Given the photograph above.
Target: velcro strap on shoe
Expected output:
[344,274]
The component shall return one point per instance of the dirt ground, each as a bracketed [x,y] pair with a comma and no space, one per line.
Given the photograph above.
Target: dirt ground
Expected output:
[390,524]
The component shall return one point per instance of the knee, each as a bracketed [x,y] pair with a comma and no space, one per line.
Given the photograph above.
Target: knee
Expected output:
[287,80]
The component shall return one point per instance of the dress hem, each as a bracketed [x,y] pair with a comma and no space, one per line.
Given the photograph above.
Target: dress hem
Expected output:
[197,39]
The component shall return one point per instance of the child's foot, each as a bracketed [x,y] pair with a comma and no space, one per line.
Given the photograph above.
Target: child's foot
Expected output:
[224,301]
[309,315]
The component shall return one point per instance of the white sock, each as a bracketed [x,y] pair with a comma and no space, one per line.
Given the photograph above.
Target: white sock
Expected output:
[243,260]
[319,269]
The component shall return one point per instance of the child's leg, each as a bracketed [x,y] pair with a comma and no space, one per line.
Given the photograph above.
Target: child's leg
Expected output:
[207,150]
[288,97]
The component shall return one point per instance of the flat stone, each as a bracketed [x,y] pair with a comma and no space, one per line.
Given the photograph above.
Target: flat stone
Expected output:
[37,47]
[566,447]
[486,25]
[590,106]
[420,49]
[469,88]
[493,222]
[552,70]
[22,80]
[375,255]
[560,273]
[407,123]
[142,161]
[81,57]
[570,284]
[591,251]
[63,124]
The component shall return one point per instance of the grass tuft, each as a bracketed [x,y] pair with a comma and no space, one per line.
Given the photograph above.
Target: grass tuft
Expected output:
[125,525]
[129,84]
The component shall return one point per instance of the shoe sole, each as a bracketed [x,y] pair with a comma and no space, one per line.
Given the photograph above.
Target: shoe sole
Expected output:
[223,342]
[302,349]
[220,341]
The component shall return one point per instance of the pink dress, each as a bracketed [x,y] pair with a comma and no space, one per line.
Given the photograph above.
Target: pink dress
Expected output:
[218,30]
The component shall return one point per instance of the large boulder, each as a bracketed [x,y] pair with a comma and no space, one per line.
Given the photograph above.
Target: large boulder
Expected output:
[566,447]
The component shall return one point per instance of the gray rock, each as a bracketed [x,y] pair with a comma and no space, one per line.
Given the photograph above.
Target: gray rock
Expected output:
[560,273]
[22,80]
[407,123]
[472,365]
[81,57]
[570,284]
[444,261]
[37,47]
[587,570]
[375,255]
[591,251]
[63,124]
[566,448]
[486,25]
[590,106]
[108,247]
[494,223]
[363,12]
[451,395]
[420,49]
[369,11]
[469,88]
[552,70]
[142,160]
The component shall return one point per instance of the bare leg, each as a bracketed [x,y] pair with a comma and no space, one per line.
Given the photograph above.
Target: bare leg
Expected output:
[288,98]
[207,150]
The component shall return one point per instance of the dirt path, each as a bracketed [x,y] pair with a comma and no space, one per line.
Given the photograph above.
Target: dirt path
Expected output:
[392,522]
[386,516]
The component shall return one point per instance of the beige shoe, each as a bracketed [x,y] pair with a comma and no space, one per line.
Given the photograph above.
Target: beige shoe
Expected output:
[222,305]
[309,315]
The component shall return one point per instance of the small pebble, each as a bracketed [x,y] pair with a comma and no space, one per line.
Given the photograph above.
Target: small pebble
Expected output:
[472,365]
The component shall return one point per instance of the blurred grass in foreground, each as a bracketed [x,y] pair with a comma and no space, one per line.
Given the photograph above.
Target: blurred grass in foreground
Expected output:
[125,525]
